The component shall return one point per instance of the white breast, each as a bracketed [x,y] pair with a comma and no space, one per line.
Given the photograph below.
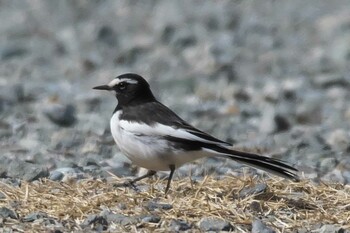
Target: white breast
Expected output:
[147,149]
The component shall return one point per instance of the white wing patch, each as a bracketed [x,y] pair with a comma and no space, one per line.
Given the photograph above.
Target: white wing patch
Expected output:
[162,130]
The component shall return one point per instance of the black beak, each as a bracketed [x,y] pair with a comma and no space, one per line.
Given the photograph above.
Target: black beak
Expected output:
[103,87]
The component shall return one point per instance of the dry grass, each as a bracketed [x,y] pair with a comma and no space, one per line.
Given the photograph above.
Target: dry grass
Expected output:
[284,206]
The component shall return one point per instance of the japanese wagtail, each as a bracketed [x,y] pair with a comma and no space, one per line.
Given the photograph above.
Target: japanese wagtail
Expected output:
[154,137]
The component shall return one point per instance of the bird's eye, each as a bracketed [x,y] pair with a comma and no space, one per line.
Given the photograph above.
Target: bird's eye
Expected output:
[121,86]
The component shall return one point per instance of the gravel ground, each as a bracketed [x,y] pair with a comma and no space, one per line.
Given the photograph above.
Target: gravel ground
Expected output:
[273,74]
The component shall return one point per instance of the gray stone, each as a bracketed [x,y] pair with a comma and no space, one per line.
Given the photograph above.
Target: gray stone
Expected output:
[329,80]
[56,175]
[259,227]
[151,219]
[34,216]
[12,94]
[309,111]
[62,115]
[15,182]
[177,225]
[4,164]
[183,38]
[215,224]
[12,51]
[107,36]
[152,205]
[281,123]
[26,171]
[248,191]
[95,222]
[329,228]
[119,218]
[8,213]
[222,49]
[338,139]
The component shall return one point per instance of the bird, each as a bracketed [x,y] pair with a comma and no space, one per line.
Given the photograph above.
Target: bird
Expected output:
[154,137]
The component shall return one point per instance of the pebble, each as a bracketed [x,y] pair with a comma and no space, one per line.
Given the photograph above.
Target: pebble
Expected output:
[183,38]
[26,171]
[66,174]
[329,228]
[12,51]
[34,216]
[95,222]
[259,227]
[151,219]
[153,205]
[8,213]
[120,218]
[62,115]
[107,36]
[214,224]
[249,191]
[177,225]
[330,80]
[338,139]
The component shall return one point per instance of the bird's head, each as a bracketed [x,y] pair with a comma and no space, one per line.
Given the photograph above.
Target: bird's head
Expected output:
[129,89]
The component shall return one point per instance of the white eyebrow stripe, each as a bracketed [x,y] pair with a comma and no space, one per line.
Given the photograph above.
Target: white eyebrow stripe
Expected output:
[114,82]
[117,81]
[131,81]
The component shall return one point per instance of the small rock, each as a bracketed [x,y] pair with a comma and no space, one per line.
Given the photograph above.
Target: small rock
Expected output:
[281,123]
[26,171]
[12,181]
[338,139]
[151,205]
[2,196]
[119,218]
[95,222]
[131,55]
[214,224]
[327,81]
[107,36]
[328,228]
[12,93]
[222,49]
[4,162]
[259,227]
[256,207]
[62,115]
[167,33]
[179,225]
[327,164]
[183,39]
[310,110]
[151,219]
[248,191]
[34,216]
[7,213]
[11,52]
[87,161]
[56,175]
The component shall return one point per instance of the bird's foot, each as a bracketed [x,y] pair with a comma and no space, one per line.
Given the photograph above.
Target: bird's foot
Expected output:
[127,184]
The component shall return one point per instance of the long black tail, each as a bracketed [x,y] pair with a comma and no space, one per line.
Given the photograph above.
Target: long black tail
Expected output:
[271,165]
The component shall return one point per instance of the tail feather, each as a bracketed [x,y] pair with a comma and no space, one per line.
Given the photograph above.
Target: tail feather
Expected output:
[271,165]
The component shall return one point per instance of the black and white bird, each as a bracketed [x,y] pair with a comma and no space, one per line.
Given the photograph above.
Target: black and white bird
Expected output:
[153,137]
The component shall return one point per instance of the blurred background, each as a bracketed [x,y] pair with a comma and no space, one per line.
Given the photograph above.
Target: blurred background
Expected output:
[268,76]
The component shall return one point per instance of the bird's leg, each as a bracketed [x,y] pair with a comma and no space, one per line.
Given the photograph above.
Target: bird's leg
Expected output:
[172,169]
[132,182]
[148,174]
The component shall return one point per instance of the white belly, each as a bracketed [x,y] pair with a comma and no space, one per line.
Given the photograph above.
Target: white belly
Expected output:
[150,152]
